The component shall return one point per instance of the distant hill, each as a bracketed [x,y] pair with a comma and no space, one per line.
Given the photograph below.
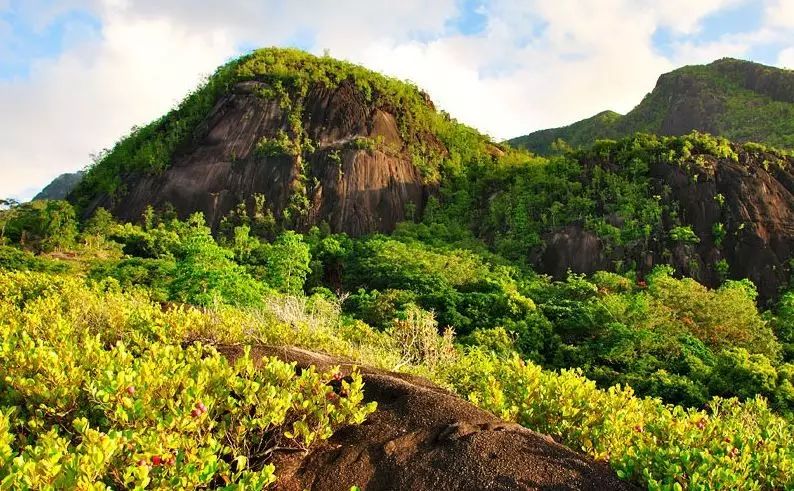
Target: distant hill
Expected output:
[60,186]
[740,100]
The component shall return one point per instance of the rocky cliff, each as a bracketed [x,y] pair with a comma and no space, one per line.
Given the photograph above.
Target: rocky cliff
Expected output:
[321,140]
[355,190]
[739,207]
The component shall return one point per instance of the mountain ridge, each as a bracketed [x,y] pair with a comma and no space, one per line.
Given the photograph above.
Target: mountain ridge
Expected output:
[740,100]
[61,186]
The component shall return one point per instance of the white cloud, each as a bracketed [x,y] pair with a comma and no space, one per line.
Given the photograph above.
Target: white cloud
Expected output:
[689,53]
[589,56]
[786,58]
[539,63]
[87,98]
[780,13]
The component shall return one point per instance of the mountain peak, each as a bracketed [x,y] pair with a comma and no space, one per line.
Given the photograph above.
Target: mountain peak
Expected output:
[322,140]
[739,99]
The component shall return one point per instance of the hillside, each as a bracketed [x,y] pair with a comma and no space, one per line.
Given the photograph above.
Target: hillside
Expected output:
[61,186]
[740,100]
[712,209]
[319,139]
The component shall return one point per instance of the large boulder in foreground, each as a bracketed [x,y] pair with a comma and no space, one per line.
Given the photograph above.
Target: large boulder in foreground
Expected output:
[422,437]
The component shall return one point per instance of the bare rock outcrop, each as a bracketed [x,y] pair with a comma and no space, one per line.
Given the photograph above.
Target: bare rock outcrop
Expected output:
[422,437]
[355,190]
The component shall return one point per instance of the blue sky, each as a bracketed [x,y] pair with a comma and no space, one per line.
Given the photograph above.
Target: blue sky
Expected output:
[27,40]
[75,75]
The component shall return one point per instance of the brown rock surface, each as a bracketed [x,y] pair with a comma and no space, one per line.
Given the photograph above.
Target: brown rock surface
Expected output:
[356,191]
[757,212]
[424,438]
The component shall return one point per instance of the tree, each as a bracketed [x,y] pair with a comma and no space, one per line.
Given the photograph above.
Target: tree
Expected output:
[43,225]
[8,210]
[739,373]
[287,262]
[100,224]
[206,273]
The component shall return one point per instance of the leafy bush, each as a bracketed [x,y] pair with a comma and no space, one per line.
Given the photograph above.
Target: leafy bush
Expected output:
[12,258]
[83,405]
[462,288]
[205,273]
[723,318]
[153,274]
[42,225]
[783,324]
[684,235]
[285,262]
[728,446]
[739,373]
[415,336]
[279,145]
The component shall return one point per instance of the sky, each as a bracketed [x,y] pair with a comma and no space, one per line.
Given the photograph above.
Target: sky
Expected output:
[77,75]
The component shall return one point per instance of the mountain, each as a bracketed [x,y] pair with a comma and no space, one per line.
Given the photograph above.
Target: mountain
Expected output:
[599,296]
[725,213]
[740,100]
[709,208]
[323,141]
[295,141]
[61,186]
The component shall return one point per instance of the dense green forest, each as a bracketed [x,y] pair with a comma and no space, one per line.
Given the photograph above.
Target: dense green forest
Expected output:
[109,330]
[428,299]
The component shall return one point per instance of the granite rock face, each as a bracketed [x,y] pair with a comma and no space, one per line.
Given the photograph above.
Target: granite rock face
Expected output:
[355,190]
[753,198]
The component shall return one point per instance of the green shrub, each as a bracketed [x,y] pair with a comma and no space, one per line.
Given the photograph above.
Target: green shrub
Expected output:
[684,235]
[416,339]
[41,225]
[728,446]
[279,145]
[84,405]
[153,274]
[739,373]
[205,273]
[12,258]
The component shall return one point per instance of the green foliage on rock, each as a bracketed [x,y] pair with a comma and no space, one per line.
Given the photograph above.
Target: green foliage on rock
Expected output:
[288,75]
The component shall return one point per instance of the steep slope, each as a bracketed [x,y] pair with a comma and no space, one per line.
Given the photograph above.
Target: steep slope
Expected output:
[61,186]
[739,206]
[712,209]
[322,140]
[422,437]
[741,100]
